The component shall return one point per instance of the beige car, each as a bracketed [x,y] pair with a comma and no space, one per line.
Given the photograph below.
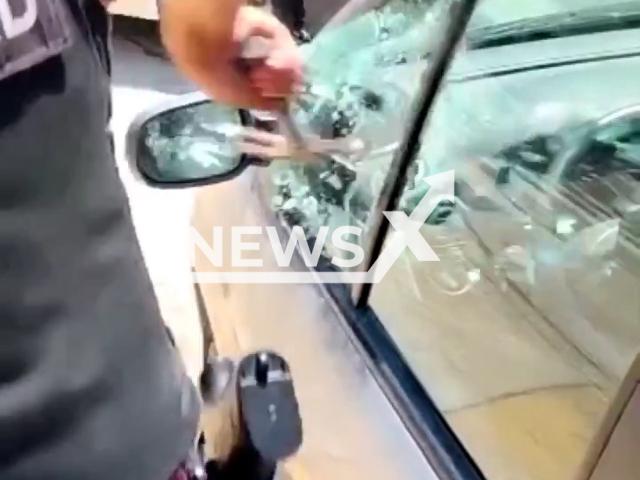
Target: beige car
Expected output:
[514,355]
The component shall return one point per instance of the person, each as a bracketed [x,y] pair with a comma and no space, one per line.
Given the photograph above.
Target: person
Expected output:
[90,385]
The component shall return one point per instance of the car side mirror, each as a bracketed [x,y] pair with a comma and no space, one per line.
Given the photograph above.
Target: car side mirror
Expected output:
[175,145]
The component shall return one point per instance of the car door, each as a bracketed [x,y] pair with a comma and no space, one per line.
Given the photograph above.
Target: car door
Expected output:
[501,359]
[347,416]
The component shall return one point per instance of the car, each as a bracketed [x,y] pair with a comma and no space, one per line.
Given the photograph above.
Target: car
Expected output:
[515,356]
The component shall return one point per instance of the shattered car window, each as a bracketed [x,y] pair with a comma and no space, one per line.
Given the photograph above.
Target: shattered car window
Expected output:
[362,80]
[353,90]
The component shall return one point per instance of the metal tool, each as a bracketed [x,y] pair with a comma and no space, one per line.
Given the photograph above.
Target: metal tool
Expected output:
[275,146]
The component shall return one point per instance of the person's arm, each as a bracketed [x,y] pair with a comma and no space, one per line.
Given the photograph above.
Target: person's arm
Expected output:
[203,38]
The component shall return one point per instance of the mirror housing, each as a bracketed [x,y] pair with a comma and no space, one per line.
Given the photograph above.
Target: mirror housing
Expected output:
[169,145]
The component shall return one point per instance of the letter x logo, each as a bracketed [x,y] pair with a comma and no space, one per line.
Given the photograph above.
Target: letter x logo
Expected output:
[407,228]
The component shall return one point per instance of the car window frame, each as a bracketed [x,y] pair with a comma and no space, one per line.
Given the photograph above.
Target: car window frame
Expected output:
[433,77]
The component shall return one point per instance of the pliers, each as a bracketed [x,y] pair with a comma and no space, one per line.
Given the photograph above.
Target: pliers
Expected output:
[275,146]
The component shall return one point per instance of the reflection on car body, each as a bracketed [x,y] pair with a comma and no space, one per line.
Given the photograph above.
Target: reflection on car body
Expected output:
[516,342]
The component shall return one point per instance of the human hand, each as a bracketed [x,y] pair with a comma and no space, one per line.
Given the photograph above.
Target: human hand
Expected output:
[205,39]
[277,73]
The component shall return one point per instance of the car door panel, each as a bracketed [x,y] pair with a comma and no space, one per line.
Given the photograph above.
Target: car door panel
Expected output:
[347,419]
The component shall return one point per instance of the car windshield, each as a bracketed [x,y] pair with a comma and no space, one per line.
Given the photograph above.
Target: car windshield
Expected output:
[523,331]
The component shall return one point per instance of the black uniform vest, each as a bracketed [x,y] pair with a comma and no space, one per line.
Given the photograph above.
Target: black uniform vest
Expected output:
[90,387]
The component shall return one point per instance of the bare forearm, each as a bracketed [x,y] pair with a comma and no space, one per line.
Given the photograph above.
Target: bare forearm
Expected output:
[198,35]
[204,38]
[215,18]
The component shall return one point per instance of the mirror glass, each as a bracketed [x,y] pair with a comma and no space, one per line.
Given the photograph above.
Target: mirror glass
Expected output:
[180,145]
